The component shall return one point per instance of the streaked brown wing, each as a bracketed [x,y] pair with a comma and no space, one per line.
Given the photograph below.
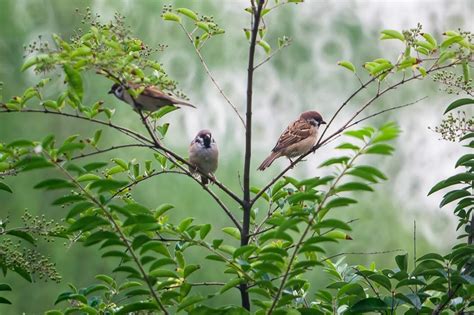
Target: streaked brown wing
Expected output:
[297,131]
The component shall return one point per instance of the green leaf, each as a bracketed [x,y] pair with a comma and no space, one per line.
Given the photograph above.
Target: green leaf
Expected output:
[451,40]
[232,231]
[96,137]
[163,273]
[5,287]
[79,208]
[107,184]
[382,280]
[5,187]
[353,186]
[70,146]
[33,61]
[406,282]
[183,225]
[338,160]
[392,34]
[87,223]
[189,13]
[75,81]
[340,202]
[23,235]
[402,262]
[204,230]
[189,269]
[169,16]
[348,146]
[162,209]
[137,306]
[333,224]
[383,149]
[33,162]
[430,39]
[231,284]
[204,26]
[67,199]
[369,305]
[453,195]
[459,103]
[157,247]
[266,46]
[87,177]
[347,65]
[301,196]
[4,301]
[190,300]
[54,183]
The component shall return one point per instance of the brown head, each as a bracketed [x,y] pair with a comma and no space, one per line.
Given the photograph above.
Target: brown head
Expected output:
[204,137]
[313,117]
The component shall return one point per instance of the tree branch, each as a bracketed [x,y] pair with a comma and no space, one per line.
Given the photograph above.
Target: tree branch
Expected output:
[247,206]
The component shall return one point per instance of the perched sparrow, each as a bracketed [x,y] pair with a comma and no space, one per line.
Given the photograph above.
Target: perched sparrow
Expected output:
[151,99]
[298,138]
[203,155]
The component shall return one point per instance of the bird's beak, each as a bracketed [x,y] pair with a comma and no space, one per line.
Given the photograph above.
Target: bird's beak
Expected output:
[323,123]
[110,92]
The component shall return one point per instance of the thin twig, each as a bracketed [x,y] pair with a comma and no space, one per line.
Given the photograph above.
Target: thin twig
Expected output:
[270,56]
[115,147]
[362,253]
[206,68]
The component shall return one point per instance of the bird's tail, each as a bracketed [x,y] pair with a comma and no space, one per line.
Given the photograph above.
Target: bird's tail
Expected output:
[181,102]
[269,160]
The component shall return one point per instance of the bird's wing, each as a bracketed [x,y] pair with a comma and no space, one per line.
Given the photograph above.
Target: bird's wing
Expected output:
[296,132]
[154,92]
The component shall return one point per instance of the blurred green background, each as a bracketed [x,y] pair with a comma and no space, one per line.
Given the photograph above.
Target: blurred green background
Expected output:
[303,76]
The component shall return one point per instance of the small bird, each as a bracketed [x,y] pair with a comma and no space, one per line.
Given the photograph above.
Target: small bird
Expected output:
[203,155]
[297,139]
[151,99]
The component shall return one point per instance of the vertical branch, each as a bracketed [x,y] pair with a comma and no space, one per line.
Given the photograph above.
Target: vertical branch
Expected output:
[244,239]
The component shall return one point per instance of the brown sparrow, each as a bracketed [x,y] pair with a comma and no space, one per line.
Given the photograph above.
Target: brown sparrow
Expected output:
[151,99]
[203,155]
[298,138]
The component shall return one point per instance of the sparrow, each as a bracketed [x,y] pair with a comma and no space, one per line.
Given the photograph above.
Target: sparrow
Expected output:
[297,139]
[203,155]
[151,99]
